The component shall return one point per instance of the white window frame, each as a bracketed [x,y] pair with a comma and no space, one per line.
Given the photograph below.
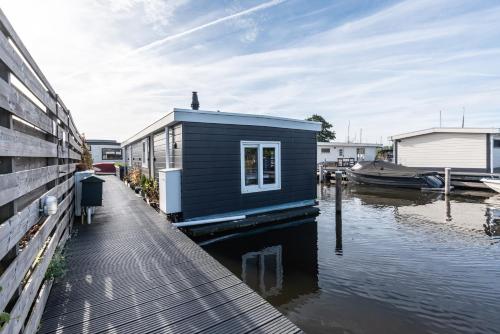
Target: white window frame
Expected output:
[145,153]
[260,186]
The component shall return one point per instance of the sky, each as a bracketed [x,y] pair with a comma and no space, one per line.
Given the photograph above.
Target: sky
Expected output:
[384,67]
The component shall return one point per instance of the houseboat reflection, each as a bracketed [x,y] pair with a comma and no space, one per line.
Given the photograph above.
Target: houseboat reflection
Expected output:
[281,264]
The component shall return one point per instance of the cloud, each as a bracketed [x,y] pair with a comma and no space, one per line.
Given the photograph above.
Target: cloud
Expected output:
[387,71]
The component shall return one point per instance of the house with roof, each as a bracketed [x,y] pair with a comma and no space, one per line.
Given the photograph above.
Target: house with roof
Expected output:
[341,153]
[463,149]
[214,165]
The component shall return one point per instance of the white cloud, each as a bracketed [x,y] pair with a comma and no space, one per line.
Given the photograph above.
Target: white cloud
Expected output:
[387,73]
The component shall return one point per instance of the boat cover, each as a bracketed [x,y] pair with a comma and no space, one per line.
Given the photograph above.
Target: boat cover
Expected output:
[382,168]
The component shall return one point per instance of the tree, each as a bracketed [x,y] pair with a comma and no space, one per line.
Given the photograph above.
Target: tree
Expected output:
[86,162]
[325,134]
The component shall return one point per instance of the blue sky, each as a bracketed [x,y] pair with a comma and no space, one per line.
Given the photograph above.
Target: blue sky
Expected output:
[386,66]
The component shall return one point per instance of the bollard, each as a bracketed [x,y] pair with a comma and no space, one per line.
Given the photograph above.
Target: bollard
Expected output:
[321,174]
[447,180]
[338,191]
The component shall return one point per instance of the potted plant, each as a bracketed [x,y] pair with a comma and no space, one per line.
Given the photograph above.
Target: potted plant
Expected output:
[153,192]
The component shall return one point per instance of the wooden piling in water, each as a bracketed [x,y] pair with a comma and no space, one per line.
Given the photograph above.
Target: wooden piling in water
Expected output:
[321,174]
[447,180]
[338,191]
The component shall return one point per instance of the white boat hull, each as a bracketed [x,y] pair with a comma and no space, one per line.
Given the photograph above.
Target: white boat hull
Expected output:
[492,183]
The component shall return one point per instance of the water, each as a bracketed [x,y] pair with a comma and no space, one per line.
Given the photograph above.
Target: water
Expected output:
[406,262]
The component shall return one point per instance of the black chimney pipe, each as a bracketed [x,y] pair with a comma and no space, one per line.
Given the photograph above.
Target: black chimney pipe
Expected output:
[195,104]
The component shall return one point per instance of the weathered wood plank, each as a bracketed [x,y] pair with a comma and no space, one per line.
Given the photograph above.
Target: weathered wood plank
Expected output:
[28,294]
[14,185]
[23,73]
[36,313]
[62,152]
[74,155]
[18,144]
[74,132]
[67,169]
[15,102]
[22,48]
[12,230]
[14,274]
[73,143]
[61,114]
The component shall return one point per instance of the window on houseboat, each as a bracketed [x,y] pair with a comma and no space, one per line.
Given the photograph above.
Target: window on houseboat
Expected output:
[325,150]
[111,153]
[251,166]
[496,143]
[260,166]
[341,152]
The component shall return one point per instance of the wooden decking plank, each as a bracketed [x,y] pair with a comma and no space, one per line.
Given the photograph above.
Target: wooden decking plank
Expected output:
[279,325]
[213,317]
[164,295]
[130,271]
[178,273]
[248,321]
[87,300]
[156,313]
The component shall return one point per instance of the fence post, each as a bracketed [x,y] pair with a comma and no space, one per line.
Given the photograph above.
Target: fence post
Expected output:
[338,191]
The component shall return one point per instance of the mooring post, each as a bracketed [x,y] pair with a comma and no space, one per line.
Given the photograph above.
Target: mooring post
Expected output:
[338,191]
[321,174]
[447,180]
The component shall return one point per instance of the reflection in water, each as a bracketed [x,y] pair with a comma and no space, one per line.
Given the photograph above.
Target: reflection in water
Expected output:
[263,269]
[395,261]
[280,264]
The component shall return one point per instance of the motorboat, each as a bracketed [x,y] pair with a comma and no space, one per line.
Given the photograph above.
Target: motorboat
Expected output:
[492,183]
[382,173]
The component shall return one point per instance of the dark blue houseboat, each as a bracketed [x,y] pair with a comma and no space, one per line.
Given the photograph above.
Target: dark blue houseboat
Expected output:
[217,168]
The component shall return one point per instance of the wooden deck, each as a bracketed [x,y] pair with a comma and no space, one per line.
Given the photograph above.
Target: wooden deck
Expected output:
[132,272]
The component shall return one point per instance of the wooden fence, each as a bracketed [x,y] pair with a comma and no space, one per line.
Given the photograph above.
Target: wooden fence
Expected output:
[39,149]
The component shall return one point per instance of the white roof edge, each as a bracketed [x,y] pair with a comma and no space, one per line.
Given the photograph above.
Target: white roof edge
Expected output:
[445,130]
[332,143]
[204,116]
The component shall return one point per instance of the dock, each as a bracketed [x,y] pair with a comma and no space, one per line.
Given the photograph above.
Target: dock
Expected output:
[131,271]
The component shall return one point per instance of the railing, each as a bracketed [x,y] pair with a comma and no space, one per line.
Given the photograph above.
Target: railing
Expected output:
[39,149]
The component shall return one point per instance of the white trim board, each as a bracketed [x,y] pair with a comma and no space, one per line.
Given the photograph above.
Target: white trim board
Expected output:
[445,130]
[216,117]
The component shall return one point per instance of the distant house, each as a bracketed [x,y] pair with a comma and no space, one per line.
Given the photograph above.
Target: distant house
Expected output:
[214,164]
[104,150]
[338,152]
[463,149]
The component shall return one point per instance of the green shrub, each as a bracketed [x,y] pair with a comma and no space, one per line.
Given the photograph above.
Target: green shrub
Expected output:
[57,266]
[4,319]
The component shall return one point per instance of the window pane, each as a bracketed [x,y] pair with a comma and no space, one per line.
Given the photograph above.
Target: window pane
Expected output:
[251,166]
[269,164]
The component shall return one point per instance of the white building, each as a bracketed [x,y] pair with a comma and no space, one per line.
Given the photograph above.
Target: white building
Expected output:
[104,150]
[463,149]
[331,152]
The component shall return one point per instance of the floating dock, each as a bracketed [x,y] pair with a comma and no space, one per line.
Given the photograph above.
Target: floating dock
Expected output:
[132,272]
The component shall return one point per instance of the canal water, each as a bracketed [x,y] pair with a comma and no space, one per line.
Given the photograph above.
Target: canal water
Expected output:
[402,261]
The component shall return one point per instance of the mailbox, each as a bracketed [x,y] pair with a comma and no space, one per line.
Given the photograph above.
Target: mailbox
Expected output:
[92,191]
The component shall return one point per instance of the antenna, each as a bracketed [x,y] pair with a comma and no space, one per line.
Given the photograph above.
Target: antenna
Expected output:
[361,135]
[463,117]
[440,119]
[348,129]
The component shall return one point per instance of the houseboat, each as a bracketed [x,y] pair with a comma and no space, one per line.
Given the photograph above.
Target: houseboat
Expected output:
[105,153]
[341,154]
[471,153]
[218,167]
[463,149]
